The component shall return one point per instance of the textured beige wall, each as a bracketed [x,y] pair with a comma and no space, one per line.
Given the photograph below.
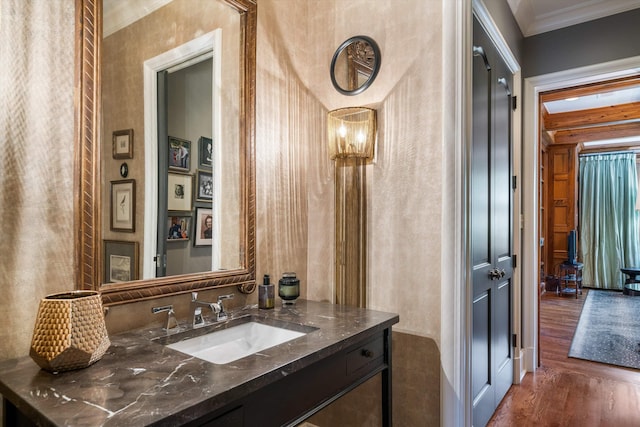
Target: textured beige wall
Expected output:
[36,172]
[296,41]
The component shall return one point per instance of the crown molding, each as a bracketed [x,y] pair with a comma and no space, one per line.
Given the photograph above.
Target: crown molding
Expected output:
[534,18]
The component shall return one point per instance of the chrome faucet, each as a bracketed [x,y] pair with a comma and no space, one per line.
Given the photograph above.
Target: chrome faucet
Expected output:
[172,322]
[217,308]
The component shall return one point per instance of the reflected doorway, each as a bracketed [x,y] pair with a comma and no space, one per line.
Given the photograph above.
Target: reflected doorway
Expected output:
[182,165]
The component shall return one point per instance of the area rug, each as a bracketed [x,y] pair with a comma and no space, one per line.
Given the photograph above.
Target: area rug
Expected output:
[608,330]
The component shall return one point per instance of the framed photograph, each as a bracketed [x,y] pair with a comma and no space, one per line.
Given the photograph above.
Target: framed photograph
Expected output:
[123,144]
[120,261]
[205,152]
[179,227]
[123,205]
[179,154]
[204,188]
[179,191]
[203,234]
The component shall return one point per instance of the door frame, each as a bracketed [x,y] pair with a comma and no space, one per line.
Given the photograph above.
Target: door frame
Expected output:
[455,330]
[456,407]
[196,50]
[530,161]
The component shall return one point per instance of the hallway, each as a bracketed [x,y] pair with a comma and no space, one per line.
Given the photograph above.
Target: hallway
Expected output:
[566,391]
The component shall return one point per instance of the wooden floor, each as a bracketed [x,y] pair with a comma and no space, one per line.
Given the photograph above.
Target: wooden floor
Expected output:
[566,391]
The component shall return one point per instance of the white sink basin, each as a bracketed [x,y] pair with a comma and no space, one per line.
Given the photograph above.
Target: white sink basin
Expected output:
[236,342]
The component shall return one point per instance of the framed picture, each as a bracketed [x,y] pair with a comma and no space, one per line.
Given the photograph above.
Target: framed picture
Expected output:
[179,191]
[179,227]
[179,154]
[205,152]
[120,261]
[204,188]
[123,144]
[203,234]
[123,205]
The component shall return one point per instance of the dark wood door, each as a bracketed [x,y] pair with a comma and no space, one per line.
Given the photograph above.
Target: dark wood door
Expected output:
[491,229]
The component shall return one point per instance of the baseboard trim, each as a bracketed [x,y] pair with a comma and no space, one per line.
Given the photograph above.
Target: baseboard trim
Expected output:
[519,370]
[530,363]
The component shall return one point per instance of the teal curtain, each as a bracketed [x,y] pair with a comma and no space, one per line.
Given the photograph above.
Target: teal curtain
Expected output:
[608,218]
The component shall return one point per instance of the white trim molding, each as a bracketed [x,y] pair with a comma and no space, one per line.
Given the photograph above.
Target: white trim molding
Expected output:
[533,86]
[205,46]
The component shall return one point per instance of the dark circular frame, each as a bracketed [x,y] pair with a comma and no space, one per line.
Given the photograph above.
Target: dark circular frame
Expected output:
[374,73]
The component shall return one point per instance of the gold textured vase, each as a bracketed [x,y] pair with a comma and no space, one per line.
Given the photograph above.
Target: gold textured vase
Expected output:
[70,332]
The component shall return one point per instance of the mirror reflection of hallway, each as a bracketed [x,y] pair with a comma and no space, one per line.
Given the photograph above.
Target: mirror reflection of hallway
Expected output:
[185,128]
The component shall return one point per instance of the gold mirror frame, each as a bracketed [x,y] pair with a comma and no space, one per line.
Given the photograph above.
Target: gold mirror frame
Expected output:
[87,203]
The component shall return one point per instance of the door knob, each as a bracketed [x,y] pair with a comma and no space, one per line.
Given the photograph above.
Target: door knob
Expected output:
[495,274]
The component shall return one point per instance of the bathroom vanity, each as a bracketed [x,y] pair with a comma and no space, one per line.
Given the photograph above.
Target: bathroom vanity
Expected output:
[141,381]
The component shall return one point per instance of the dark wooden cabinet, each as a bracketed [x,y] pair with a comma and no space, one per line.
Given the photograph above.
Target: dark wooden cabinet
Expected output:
[296,397]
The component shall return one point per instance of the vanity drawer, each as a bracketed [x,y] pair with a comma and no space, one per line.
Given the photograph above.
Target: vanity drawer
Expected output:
[366,356]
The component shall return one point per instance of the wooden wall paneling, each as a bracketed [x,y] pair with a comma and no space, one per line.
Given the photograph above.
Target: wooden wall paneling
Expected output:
[563,200]
[608,116]
[543,215]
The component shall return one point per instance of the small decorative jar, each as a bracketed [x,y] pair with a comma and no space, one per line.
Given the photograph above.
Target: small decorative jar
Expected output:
[70,332]
[289,288]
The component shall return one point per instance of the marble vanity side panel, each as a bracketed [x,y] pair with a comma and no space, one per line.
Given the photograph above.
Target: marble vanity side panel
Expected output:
[416,402]
[37,167]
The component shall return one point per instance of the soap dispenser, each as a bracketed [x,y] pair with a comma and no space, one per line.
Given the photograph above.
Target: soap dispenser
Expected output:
[266,294]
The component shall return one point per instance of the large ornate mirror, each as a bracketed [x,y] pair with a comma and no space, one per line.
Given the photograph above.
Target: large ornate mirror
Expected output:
[139,237]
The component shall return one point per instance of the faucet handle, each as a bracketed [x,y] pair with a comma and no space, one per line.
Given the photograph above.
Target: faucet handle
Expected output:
[162,309]
[198,320]
[194,296]
[172,322]
[222,314]
[224,297]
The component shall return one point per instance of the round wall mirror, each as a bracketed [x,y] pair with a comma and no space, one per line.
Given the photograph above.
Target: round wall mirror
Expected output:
[355,65]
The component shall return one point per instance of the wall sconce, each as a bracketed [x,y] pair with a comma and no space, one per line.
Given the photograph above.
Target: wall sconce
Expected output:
[352,132]
[352,135]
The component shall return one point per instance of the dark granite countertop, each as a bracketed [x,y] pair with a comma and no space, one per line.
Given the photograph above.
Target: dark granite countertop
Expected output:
[141,382]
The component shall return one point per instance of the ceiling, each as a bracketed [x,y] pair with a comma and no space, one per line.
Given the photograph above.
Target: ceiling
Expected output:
[599,116]
[594,100]
[539,16]
[117,14]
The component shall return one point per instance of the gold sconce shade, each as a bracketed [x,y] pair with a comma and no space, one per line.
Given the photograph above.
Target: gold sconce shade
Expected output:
[351,132]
